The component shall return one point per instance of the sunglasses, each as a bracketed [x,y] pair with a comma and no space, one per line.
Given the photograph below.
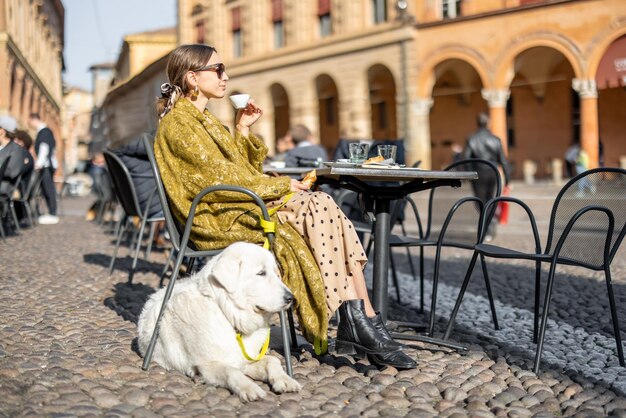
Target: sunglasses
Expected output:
[219,68]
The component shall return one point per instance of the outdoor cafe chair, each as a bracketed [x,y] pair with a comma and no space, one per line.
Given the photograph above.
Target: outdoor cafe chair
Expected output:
[127,196]
[28,194]
[454,219]
[184,247]
[7,202]
[587,226]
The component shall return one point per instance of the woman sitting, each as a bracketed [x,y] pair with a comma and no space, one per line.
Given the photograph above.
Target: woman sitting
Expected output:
[319,253]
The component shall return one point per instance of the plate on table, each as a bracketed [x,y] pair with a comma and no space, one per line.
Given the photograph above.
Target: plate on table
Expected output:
[344,164]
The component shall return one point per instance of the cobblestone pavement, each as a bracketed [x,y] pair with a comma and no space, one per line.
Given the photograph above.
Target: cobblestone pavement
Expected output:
[67,340]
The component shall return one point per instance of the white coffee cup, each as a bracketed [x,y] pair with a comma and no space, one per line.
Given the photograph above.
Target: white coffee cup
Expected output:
[239,101]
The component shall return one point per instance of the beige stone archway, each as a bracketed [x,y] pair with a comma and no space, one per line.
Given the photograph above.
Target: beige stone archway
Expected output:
[328,111]
[542,114]
[420,147]
[281,110]
[504,71]
[383,109]
[598,46]
[610,102]
[456,100]
[426,77]
[503,64]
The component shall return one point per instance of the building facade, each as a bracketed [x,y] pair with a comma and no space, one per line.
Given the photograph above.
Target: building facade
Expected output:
[76,121]
[31,62]
[129,107]
[549,72]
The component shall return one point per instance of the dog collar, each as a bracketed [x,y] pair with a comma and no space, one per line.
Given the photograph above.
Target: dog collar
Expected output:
[266,344]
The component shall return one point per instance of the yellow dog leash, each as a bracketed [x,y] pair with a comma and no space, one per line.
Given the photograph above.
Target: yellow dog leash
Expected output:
[270,226]
[266,344]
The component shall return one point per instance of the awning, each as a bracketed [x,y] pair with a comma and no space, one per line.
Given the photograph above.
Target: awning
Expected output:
[612,67]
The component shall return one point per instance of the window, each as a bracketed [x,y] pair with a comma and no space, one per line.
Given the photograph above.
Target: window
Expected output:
[200,31]
[237,43]
[510,123]
[323,13]
[330,110]
[279,35]
[382,115]
[450,8]
[379,11]
[576,115]
[277,23]
[236,32]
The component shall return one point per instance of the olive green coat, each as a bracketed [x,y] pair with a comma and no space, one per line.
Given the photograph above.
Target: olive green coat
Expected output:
[193,151]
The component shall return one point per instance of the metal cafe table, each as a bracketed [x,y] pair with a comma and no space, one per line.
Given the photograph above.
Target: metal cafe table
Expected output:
[397,183]
[287,171]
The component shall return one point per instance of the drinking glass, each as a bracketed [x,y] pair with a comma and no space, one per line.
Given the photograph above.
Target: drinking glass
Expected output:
[388,152]
[358,152]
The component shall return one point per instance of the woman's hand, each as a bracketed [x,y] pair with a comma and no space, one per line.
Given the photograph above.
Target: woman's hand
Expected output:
[247,116]
[298,186]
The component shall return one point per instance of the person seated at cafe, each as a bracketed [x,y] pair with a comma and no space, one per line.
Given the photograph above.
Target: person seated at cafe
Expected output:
[284,144]
[18,156]
[305,153]
[24,140]
[315,245]
[135,157]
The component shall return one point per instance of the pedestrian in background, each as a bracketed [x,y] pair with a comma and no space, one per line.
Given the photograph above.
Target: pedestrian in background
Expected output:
[571,154]
[304,153]
[485,145]
[46,161]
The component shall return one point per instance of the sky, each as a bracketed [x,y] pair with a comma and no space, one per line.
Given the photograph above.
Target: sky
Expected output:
[94,30]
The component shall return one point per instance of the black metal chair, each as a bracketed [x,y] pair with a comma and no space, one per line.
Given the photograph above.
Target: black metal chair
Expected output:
[7,202]
[28,194]
[126,194]
[3,169]
[454,218]
[587,226]
[184,247]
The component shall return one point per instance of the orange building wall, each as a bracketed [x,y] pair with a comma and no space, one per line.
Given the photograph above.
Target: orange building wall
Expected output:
[543,129]
[612,115]
[452,119]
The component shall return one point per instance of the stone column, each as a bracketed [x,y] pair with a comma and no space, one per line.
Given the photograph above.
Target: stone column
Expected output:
[496,100]
[28,92]
[16,95]
[305,110]
[34,103]
[589,129]
[418,145]
[6,66]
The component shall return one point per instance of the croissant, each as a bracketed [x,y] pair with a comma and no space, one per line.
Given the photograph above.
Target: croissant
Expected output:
[376,159]
[310,179]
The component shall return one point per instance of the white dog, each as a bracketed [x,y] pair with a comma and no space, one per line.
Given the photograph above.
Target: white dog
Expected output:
[236,292]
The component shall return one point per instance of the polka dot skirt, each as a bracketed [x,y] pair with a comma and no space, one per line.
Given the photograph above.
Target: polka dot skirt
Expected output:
[332,239]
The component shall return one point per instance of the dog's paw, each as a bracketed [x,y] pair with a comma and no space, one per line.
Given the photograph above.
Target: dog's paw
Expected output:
[285,384]
[250,392]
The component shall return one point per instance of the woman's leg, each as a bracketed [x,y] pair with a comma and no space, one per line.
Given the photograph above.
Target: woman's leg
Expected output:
[360,288]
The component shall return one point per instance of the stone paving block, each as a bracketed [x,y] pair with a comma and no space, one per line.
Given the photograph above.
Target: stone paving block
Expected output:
[67,343]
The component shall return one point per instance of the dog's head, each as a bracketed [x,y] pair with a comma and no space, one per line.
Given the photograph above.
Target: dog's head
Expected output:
[247,277]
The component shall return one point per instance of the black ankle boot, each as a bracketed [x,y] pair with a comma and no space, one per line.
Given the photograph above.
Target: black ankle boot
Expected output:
[378,323]
[356,335]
